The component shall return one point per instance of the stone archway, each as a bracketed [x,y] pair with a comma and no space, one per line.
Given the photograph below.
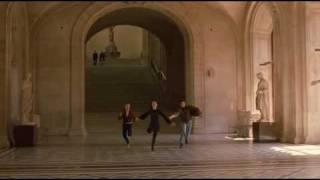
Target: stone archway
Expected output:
[194,91]
[279,72]
[168,34]
[262,54]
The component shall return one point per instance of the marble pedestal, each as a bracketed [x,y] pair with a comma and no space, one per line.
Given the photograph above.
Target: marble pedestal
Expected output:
[25,135]
[264,132]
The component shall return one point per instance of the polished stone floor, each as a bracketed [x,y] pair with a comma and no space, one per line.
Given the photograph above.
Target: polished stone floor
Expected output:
[104,155]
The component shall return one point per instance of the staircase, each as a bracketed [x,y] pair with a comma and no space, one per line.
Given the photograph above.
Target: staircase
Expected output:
[116,82]
[112,84]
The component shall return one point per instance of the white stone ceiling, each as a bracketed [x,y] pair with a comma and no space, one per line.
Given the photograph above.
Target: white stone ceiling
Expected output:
[263,21]
[37,9]
[235,9]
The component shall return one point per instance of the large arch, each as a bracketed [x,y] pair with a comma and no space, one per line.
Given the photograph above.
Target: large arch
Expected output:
[289,121]
[253,10]
[194,80]
[169,35]
[262,53]
[248,48]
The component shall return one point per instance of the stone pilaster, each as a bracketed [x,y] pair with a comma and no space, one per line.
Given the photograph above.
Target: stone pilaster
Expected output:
[4,142]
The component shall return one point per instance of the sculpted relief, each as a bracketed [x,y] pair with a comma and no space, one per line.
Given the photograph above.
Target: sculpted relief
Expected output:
[27,100]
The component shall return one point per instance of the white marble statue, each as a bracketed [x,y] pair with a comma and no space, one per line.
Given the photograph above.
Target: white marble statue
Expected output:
[262,98]
[27,100]
[112,50]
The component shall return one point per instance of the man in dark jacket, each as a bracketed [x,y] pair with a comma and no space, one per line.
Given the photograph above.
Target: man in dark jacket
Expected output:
[95,57]
[102,57]
[154,125]
[184,114]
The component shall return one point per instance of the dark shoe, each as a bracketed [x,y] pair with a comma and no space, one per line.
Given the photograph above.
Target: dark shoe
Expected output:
[181,145]
[152,148]
[186,141]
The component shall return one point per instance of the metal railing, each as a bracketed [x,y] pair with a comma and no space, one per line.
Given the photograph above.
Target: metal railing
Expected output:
[159,76]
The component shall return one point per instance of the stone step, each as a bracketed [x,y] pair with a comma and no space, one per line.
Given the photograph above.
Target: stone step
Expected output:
[110,86]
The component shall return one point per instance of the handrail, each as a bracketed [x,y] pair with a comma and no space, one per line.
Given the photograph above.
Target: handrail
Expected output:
[160,76]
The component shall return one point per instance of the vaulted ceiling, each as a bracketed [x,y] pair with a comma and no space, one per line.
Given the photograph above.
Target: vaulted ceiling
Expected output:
[263,21]
[36,9]
[235,9]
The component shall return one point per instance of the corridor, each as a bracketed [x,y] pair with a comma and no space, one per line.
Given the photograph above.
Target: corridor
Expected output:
[68,68]
[103,154]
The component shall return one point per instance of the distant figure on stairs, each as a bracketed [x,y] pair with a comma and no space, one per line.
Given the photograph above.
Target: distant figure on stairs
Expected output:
[95,57]
[102,57]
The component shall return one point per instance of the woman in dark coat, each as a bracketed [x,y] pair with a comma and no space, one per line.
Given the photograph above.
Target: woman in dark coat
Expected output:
[128,118]
[154,125]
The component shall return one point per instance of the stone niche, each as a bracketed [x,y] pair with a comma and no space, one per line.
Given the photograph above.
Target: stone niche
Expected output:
[244,124]
[248,127]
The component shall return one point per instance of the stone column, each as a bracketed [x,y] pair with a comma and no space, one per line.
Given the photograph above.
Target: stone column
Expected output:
[300,72]
[77,119]
[277,77]
[293,75]
[111,34]
[197,92]
[312,124]
[3,79]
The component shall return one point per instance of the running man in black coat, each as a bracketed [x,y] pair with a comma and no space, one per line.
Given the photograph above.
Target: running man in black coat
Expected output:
[154,125]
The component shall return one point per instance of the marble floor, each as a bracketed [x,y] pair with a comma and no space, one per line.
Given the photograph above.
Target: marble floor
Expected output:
[104,155]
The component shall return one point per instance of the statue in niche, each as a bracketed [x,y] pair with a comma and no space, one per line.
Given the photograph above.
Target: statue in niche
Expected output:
[27,100]
[262,98]
[112,50]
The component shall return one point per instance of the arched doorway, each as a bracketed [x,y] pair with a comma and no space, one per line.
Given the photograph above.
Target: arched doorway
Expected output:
[264,53]
[130,72]
[262,49]
[165,29]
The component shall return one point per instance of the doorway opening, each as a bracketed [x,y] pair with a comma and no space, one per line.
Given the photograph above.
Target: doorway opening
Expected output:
[144,60]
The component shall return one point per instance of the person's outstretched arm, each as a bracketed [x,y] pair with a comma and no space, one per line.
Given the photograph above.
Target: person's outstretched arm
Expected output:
[144,115]
[165,117]
[174,115]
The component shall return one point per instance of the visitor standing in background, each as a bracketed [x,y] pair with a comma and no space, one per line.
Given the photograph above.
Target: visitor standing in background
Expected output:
[95,58]
[102,57]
